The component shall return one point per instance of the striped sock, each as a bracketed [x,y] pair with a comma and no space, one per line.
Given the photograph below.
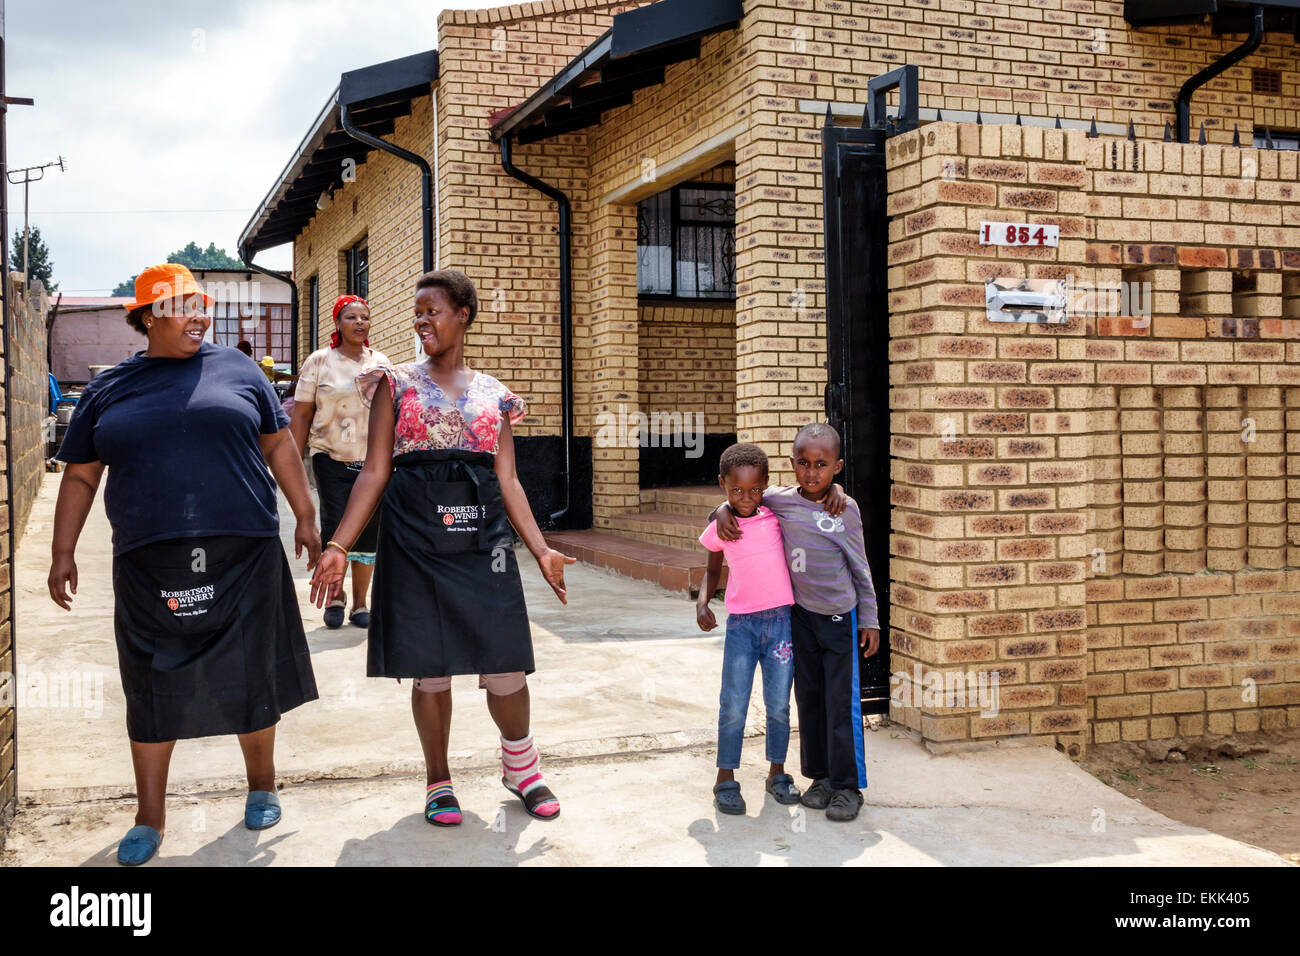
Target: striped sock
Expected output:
[522,766]
[435,796]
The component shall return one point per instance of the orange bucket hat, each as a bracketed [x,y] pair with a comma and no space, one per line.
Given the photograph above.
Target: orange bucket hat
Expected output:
[170,280]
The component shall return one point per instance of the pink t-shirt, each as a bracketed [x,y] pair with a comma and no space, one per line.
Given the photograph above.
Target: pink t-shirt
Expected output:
[759,578]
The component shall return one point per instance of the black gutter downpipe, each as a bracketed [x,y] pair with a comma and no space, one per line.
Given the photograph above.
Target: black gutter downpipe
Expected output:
[247,258]
[426,179]
[566,314]
[1184,115]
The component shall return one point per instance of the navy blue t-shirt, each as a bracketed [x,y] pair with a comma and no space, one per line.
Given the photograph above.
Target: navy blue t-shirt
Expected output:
[180,439]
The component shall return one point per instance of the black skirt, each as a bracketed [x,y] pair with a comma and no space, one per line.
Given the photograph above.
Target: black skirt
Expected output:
[334,481]
[447,595]
[209,638]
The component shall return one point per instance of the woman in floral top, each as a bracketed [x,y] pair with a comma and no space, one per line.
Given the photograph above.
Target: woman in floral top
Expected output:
[447,595]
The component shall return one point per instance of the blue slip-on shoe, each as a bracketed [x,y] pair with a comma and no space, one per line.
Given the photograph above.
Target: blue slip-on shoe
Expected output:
[261,810]
[727,798]
[139,845]
[360,617]
[334,616]
[783,789]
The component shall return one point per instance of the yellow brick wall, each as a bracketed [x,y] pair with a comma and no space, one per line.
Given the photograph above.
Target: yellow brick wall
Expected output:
[382,206]
[1106,503]
[1069,440]
[500,231]
[686,361]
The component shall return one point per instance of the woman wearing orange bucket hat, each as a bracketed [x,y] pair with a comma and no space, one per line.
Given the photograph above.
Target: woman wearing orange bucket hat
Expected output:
[209,638]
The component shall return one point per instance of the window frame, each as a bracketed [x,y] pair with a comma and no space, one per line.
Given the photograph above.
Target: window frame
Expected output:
[313,312]
[674,228]
[353,284]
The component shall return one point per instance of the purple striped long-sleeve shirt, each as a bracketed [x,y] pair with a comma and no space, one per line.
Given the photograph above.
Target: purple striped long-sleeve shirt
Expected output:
[827,557]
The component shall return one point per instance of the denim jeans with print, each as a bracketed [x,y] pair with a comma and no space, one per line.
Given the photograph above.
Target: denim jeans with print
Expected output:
[761,638]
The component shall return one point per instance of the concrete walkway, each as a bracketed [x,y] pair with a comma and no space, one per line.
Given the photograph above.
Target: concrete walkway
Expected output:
[624,703]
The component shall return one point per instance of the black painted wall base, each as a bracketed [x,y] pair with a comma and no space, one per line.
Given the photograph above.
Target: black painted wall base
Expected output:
[667,467]
[539,462]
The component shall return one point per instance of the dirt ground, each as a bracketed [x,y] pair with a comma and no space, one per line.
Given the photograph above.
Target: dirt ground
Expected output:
[1245,787]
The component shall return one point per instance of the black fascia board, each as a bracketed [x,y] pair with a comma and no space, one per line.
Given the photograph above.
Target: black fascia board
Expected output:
[389,80]
[668,21]
[641,62]
[1178,12]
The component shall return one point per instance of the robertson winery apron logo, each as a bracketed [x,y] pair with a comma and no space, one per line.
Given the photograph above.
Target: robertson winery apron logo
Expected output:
[460,519]
[191,602]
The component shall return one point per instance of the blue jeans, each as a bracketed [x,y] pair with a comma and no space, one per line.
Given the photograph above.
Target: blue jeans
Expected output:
[761,638]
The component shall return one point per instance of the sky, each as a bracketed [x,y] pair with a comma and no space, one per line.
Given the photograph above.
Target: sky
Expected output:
[176,118]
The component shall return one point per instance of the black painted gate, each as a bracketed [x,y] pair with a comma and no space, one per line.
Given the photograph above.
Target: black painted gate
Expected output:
[857,329]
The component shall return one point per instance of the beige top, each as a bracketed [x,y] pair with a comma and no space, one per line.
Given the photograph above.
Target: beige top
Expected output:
[328,379]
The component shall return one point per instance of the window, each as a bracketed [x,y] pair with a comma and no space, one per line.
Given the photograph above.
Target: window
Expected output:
[1281,138]
[686,243]
[1266,82]
[313,312]
[359,270]
[267,329]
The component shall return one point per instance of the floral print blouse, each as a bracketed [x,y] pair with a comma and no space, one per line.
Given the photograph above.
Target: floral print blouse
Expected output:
[427,420]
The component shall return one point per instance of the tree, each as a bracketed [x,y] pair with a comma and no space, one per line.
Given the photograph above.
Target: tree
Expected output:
[39,265]
[191,257]
[209,258]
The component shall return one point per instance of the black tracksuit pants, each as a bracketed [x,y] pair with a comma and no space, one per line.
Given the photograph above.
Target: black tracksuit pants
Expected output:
[826,690]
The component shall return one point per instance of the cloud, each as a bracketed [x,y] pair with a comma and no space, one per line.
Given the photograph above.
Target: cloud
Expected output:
[189,105]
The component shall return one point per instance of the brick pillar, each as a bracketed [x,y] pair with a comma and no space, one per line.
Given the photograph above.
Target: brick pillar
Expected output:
[780,288]
[1184,480]
[991,437]
[1265,480]
[613,361]
[1226,469]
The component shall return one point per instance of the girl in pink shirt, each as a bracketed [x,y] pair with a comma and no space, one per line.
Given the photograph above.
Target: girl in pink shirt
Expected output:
[758,602]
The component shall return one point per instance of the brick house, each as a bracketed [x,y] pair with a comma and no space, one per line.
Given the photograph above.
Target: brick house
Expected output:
[1104,513]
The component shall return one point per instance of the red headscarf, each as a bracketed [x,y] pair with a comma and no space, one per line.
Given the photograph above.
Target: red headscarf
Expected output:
[339,303]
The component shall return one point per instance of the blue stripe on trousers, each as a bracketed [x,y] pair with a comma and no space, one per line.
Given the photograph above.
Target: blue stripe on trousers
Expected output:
[859,747]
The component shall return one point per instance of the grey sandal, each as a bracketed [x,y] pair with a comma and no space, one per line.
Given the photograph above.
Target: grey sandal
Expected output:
[727,798]
[818,795]
[783,789]
[844,805]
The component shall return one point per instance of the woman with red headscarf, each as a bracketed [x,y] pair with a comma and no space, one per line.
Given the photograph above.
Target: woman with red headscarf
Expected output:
[330,419]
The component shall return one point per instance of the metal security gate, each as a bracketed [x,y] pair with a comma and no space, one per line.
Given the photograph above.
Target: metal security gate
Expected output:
[857,329]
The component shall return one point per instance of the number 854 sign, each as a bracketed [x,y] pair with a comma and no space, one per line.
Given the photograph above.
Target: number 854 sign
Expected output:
[1018,234]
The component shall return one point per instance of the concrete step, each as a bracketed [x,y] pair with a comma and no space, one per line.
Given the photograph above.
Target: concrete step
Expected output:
[687,498]
[674,569]
[672,528]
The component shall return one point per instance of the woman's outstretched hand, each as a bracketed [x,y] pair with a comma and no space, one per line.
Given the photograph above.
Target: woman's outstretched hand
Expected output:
[552,563]
[327,580]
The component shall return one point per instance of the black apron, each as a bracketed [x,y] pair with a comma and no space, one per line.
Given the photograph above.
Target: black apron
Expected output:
[447,596]
[209,637]
[334,481]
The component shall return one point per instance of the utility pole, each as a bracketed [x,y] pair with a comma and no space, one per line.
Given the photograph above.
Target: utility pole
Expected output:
[29,177]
